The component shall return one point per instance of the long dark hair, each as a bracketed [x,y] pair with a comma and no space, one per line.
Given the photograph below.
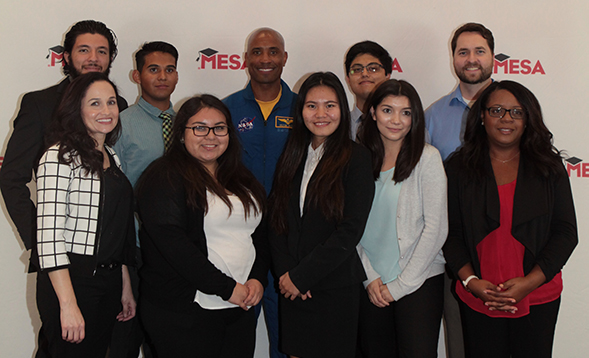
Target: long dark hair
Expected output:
[536,141]
[414,141]
[327,191]
[68,129]
[231,174]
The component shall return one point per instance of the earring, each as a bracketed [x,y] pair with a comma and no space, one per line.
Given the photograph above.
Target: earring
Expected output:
[182,140]
[482,123]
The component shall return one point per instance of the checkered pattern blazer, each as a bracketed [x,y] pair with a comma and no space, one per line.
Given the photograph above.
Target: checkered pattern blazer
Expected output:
[68,209]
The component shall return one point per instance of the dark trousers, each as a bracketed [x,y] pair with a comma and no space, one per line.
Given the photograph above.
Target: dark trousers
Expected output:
[529,336]
[128,337]
[409,327]
[99,300]
[270,304]
[225,333]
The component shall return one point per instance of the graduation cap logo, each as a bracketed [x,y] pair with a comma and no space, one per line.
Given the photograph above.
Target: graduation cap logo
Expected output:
[501,57]
[207,52]
[574,160]
[56,55]
[58,50]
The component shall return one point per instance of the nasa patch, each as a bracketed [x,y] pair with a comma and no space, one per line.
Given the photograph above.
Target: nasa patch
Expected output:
[246,124]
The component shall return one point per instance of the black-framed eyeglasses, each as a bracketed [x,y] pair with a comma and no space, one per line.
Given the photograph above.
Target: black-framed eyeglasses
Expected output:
[499,112]
[357,70]
[203,131]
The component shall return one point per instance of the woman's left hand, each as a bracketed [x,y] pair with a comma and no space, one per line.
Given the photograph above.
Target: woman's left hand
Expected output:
[127,299]
[256,291]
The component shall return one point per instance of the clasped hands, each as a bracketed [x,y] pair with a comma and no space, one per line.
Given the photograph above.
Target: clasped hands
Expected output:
[248,294]
[504,296]
[289,290]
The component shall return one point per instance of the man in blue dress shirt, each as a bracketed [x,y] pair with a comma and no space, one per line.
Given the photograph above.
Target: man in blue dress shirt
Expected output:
[473,49]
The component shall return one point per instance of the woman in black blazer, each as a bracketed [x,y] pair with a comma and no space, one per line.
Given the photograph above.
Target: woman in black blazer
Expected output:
[204,266]
[512,226]
[322,195]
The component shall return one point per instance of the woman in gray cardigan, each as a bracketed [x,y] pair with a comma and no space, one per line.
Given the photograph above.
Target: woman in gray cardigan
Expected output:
[401,311]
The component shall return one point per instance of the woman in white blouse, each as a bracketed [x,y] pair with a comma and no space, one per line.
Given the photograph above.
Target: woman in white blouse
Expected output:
[204,263]
[401,310]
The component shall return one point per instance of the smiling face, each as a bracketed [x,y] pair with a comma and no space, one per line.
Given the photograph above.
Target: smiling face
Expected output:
[363,83]
[265,57]
[158,79]
[206,149]
[100,112]
[503,132]
[473,59]
[393,118]
[90,53]
[321,113]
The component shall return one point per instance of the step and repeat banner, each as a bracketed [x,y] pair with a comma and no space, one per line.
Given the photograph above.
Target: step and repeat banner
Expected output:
[542,44]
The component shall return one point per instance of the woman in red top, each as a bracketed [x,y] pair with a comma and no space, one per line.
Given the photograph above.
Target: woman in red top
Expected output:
[512,226]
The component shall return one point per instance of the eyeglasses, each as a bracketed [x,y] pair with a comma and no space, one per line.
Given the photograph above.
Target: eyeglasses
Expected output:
[203,131]
[357,70]
[499,112]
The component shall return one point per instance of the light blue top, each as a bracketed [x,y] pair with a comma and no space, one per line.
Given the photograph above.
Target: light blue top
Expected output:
[380,240]
[445,121]
[141,140]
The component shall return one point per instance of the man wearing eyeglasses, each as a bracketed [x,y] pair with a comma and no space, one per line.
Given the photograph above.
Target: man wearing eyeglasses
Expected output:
[144,130]
[472,52]
[368,64]
[262,115]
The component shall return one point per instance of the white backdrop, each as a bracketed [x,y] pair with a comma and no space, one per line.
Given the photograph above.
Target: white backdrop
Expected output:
[318,33]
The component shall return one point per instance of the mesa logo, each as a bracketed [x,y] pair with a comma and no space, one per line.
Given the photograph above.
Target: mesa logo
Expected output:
[211,58]
[55,55]
[576,168]
[514,66]
[396,66]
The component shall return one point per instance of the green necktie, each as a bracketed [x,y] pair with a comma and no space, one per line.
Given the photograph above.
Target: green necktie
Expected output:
[166,129]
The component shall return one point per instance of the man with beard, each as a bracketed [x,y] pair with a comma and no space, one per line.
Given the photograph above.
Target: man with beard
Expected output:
[262,114]
[473,54]
[368,64]
[89,46]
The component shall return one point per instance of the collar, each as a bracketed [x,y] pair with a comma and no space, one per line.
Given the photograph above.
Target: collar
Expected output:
[154,111]
[285,97]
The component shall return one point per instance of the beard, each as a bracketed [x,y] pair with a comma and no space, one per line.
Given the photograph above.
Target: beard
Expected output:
[73,72]
[484,75]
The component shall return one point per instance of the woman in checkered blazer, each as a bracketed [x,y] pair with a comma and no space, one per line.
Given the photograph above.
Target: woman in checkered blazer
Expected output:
[85,232]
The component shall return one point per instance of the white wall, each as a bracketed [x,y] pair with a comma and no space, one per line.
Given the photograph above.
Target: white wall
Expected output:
[318,33]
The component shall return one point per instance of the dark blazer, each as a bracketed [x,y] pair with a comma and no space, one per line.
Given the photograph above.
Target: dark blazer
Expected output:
[543,216]
[174,247]
[23,151]
[318,253]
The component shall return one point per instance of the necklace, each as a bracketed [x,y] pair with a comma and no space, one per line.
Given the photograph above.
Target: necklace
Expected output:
[504,161]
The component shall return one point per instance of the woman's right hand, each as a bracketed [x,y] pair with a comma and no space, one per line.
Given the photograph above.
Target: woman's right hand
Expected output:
[374,293]
[239,295]
[72,323]
[483,289]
